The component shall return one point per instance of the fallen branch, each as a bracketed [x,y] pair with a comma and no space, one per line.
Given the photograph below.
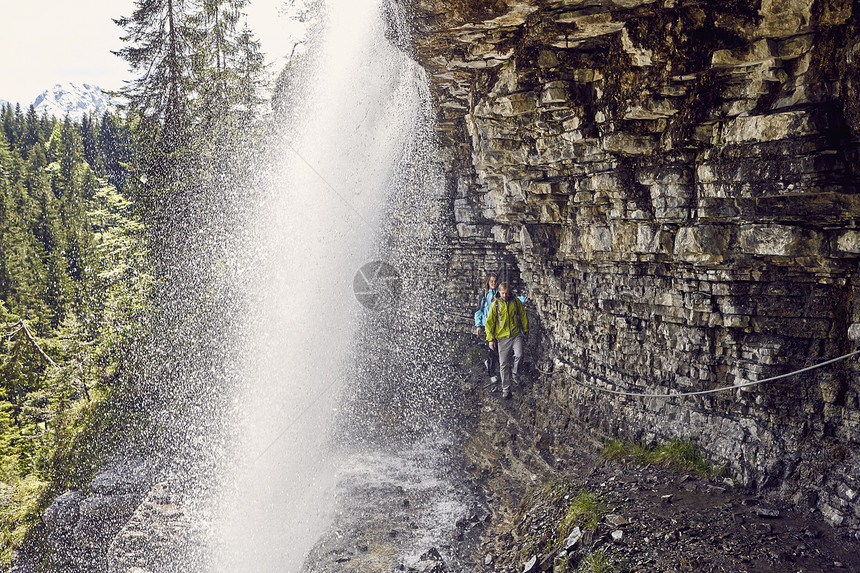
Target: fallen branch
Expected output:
[14,332]
[20,325]
[30,436]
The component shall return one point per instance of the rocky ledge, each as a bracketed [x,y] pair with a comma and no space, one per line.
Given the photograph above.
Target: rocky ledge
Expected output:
[130,518]
[646,519]
[673,183]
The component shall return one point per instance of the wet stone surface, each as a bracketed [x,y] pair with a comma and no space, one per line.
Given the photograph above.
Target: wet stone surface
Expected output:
[664,182]
[404,507]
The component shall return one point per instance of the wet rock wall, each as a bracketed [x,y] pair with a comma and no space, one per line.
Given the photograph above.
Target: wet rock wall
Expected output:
[675,182]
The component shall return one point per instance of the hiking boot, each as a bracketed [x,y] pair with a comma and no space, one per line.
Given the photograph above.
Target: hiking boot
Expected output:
[506,393]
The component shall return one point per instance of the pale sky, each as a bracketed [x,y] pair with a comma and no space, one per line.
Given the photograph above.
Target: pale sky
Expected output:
[46,42]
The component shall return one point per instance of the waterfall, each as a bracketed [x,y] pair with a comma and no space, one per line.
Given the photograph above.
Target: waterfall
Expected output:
[334,168]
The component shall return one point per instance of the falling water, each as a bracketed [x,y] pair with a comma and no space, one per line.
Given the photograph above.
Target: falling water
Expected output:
[338,163]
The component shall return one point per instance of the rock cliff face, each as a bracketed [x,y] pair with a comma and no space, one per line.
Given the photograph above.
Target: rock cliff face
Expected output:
[675,184]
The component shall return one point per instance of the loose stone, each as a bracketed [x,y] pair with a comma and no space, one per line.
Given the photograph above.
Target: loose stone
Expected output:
[765,512]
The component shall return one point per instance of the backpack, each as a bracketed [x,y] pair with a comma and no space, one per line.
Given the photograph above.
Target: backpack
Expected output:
[482,294]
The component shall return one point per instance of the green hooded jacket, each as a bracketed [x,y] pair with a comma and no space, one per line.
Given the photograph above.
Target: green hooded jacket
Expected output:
[506,319]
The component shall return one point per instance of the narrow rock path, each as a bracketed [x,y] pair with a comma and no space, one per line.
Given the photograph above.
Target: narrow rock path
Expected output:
[650,519]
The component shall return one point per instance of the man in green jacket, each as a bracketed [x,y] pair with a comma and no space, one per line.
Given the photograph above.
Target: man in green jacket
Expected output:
[508,326]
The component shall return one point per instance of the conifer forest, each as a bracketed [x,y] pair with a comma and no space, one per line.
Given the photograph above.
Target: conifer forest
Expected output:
[86,211]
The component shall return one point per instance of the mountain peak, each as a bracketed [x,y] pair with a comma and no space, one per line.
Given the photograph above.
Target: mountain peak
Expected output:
[73,99]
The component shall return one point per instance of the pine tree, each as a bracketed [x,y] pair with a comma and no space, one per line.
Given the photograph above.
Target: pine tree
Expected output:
[26,271]
[55,141]
[44,226]
[70,154]
[58,288]
[220,18]
[18,127]
[46,126]
[108,143]
[114,150]
[215,68]
[250,74]
[89,184]
[36,171]
[7,215]
[11,129]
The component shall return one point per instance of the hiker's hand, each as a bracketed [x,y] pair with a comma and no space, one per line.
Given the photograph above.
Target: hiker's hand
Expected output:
[479,331]
[492,345]
[525,337]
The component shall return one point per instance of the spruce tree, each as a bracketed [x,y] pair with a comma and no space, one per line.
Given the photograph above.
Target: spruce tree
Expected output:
[17,127]
[215,69]
[70,154]
[7,215]
[109,149]
[89,139]
[58,288]
[162,42]
[250,76]
[10,129]
[45,224]
[32,135]
[46,126]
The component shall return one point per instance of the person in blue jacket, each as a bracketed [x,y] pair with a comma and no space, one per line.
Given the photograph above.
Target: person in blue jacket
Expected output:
[485,300]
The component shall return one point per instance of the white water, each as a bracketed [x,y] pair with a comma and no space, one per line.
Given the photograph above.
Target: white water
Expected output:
[333,173]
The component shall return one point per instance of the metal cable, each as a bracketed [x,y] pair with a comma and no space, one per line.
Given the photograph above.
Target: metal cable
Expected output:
[711,391]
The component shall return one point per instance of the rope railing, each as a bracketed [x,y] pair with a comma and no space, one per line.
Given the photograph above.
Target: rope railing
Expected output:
[700,392]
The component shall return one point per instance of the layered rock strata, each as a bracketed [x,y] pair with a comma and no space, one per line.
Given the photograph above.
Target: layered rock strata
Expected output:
[675,185]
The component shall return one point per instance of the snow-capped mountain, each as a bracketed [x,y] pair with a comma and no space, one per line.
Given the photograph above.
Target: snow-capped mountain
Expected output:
[71,98]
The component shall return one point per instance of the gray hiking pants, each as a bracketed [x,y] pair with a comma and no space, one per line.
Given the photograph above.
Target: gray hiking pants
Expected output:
[506,345]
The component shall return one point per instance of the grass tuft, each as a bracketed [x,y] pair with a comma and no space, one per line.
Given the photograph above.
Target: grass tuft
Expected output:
[599,561]
[585,510]
[676,455]
[614,449]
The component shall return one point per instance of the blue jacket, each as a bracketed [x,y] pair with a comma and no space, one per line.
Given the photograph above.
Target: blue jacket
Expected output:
[484,307]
